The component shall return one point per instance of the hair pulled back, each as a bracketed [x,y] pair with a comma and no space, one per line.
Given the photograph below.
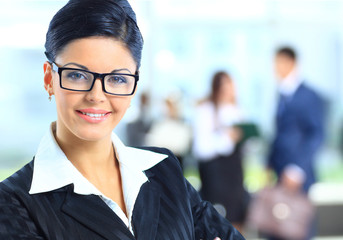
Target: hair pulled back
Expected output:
[87,18]
[217,82]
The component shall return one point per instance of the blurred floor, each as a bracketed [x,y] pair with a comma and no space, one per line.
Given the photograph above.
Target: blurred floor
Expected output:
[328,197]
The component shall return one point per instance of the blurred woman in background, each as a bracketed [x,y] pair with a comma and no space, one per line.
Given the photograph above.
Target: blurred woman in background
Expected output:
[216,148]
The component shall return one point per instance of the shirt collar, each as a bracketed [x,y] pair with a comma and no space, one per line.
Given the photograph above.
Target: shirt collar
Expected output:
[290,83]
[52,169]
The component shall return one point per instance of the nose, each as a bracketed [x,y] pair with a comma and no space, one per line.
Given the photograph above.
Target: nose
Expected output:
[96,94]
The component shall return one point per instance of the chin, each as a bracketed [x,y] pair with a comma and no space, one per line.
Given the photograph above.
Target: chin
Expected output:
[93,133]
[93,136]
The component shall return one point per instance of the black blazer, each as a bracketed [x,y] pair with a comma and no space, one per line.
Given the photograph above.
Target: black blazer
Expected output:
[167,207]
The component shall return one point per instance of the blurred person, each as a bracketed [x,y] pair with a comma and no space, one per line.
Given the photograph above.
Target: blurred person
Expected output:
[83,182]
[299,127]
[137,130]
[175,127]
[215,146]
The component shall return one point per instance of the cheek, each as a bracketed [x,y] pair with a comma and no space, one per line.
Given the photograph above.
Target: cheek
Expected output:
[281,71]
[63,101]
[121,104]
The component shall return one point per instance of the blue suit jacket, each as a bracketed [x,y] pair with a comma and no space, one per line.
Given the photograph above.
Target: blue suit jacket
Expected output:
[299,133]
[167,207]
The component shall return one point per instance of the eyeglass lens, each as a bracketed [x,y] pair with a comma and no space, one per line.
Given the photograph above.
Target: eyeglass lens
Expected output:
[82,81]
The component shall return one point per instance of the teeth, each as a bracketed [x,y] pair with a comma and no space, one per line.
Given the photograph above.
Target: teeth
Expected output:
[94,115]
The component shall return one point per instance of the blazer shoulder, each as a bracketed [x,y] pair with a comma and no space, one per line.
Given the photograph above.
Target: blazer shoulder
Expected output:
[20,181]
[171,159]
[157,150]
[166,166]
[310,93]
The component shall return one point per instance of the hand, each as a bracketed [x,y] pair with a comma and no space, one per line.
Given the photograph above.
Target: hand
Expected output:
[235,134]
[290,183]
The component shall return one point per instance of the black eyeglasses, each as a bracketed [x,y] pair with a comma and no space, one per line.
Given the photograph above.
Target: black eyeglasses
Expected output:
[75,79]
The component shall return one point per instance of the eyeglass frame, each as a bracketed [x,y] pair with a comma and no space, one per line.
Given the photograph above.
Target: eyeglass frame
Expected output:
[96,76]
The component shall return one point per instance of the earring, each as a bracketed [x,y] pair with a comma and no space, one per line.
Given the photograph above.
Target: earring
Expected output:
[50,98]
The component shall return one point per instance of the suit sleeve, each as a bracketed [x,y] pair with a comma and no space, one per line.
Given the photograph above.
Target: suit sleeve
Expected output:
[208,223]
[15,222]
[312,121]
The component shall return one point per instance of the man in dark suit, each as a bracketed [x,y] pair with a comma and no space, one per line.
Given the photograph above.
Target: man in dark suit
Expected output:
[299,126]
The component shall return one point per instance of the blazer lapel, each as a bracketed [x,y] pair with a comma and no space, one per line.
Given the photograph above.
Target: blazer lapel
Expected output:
[147,211]
[92,212]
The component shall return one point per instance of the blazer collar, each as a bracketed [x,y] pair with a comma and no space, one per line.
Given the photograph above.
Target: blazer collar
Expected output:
[146,215]
[101,220]
[52,169]
[94,214]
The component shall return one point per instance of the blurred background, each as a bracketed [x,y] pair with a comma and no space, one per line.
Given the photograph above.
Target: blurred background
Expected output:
[186,41]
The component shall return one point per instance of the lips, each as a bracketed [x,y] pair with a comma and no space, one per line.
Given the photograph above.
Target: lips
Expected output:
[93,115]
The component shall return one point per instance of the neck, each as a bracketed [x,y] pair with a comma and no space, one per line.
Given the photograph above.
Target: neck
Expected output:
[96,161]
[92,158]
[290,83]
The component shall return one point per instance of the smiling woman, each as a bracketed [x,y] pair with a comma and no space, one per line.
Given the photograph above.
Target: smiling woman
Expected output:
[83,182]
[78,108]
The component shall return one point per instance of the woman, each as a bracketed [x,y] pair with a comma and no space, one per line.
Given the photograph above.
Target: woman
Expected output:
[216,148]
[83,183]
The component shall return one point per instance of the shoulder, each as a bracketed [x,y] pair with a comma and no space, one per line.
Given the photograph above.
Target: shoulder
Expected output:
[167,170]
[205,106]
[305,97]
[16,206]
[14,191]
[170,160]
[19,182]
[308,92]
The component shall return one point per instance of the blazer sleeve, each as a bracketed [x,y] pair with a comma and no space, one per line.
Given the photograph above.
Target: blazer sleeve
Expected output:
[312,120]
[15,221]
[208,223]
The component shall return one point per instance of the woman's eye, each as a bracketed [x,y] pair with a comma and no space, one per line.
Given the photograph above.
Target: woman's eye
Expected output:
[76,76]
[117,80]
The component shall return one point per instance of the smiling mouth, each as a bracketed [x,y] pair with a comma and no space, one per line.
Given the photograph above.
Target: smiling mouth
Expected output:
[93,115]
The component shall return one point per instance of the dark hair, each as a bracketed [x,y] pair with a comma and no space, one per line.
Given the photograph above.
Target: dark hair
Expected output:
[87,18]
[217,82]
[288,52]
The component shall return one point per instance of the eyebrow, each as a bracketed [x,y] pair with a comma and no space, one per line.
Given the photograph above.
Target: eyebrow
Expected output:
[85,68]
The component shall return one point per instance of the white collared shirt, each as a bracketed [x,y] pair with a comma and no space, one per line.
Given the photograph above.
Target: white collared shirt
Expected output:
[52,170]
[289,85]
[211,137]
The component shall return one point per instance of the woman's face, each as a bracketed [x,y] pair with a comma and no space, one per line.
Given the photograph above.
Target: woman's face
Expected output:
[226,92]
[92,115]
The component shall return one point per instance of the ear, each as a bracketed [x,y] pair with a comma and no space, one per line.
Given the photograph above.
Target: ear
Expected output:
[48,83]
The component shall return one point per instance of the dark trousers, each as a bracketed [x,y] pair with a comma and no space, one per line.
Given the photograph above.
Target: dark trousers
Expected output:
[222,183]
